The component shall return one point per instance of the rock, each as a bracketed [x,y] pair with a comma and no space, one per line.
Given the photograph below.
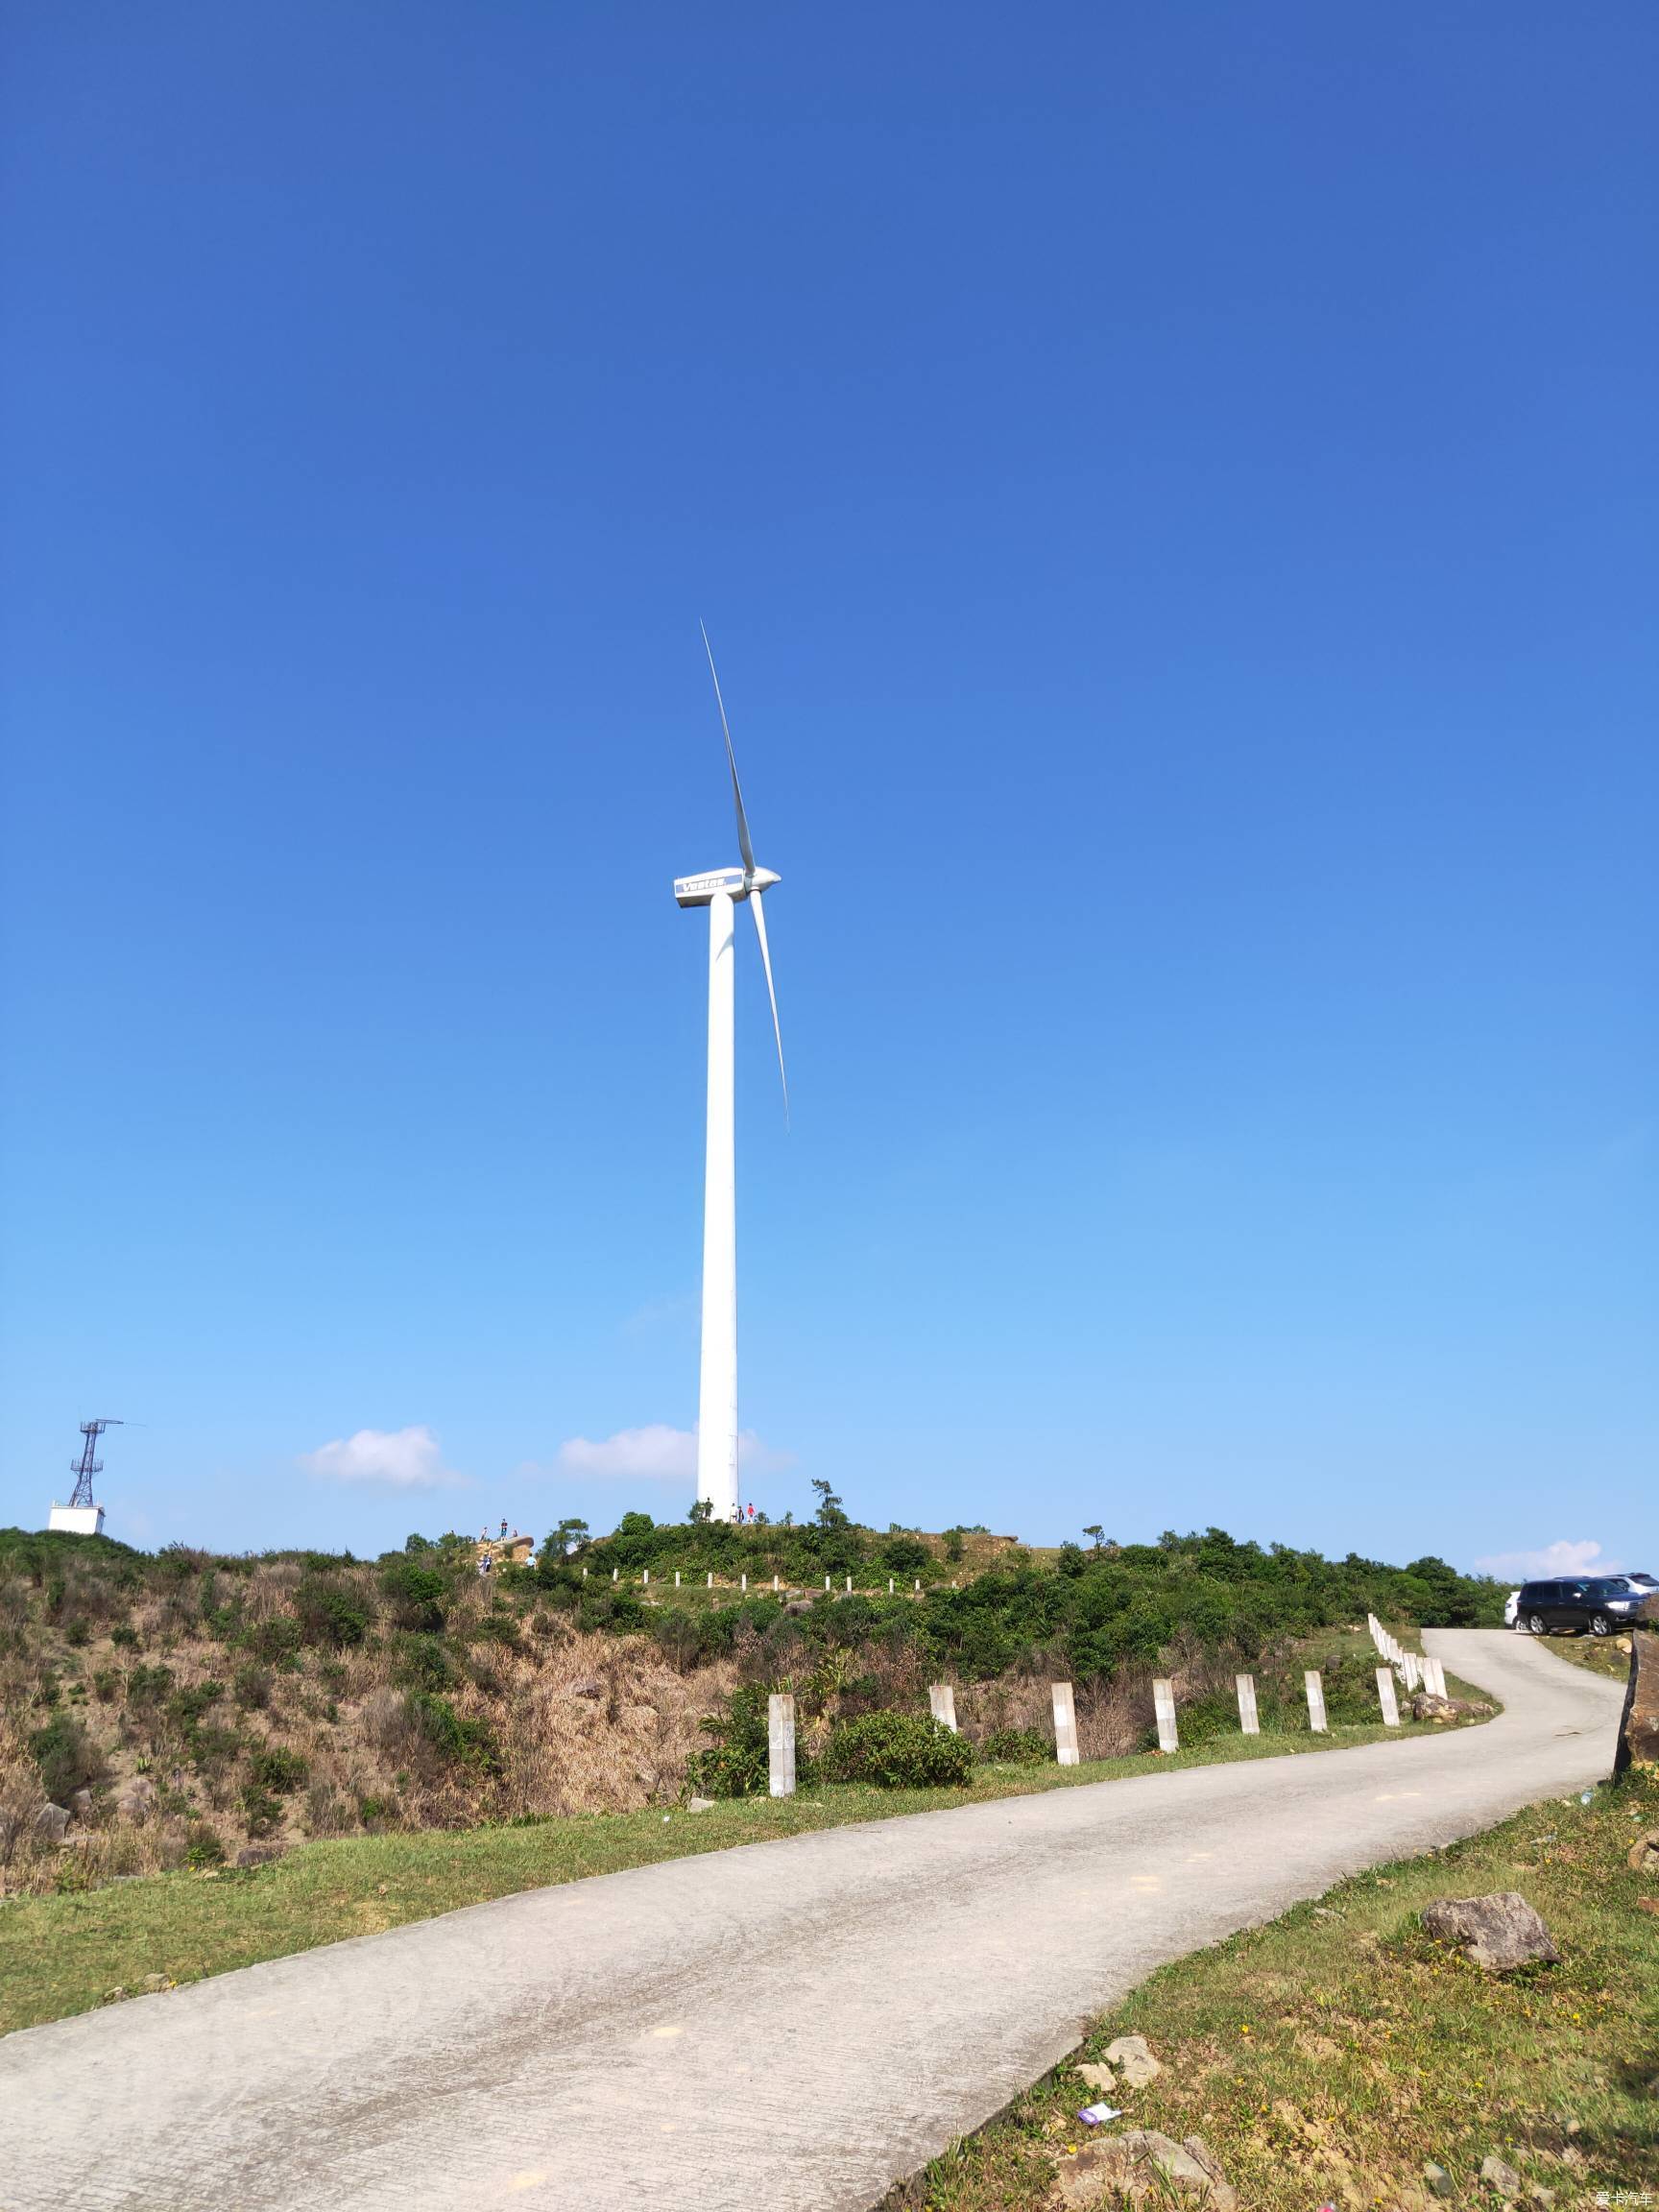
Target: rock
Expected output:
[1133,2061]
[588,1688]
[152,1984]
[700,1805]
[1099,2078]
[1543,2198]
[258,1853]
[1647,1904]
[1440,2183]
[1644,1856]
[135,1799]
[1497,1933]
[1425,1706]
[1497,2173]
[112,1996]
[81,1804]
[1145,2169]
[1638,1723]
[50,1822]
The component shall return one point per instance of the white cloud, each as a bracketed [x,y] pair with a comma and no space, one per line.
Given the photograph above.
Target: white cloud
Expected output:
[1554,1562]
[658,1453]
[396,1458]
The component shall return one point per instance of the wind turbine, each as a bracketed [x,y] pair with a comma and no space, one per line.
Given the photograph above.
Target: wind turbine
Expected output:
[722,890]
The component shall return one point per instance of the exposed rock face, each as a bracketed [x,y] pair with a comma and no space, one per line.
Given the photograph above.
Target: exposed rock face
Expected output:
[1498,1932]
[1144,2168]
[135,1799]
[1638,1725]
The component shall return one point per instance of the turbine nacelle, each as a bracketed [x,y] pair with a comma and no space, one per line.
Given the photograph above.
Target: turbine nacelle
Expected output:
[735,882]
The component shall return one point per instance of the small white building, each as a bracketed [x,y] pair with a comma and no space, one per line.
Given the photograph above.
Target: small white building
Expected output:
[78,1520]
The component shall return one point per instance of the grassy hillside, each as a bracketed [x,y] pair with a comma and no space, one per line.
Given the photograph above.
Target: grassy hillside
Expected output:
[184,1708]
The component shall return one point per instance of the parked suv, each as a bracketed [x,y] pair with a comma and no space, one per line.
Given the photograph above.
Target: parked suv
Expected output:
[1599,1604]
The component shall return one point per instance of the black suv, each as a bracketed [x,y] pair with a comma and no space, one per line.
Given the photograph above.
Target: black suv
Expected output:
[1601,1605]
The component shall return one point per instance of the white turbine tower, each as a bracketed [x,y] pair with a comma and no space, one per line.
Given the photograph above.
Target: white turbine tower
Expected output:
[722,892]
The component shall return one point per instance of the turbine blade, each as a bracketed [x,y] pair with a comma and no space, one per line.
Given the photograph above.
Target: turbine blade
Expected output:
[743,845]
[755,907]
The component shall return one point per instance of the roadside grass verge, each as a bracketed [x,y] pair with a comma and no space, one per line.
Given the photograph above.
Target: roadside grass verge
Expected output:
[65,1954]
[1327,2057]
[1605,1656]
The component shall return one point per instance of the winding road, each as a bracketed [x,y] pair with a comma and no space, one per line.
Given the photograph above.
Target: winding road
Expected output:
[790,2026]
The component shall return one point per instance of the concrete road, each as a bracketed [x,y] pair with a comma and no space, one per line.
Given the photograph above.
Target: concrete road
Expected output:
[791,2025]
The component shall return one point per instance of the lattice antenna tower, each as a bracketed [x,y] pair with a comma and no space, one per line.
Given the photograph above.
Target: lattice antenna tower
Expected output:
[87,1465]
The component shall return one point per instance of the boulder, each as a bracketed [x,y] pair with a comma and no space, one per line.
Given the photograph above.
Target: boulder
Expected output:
[1099,2078]
[1132,2061]
[1497,2174]
[1644,1856]
[81,1804]
[258,1853]
[1639,1724]
[152,1984]
[1145,2169]
[135,1799]
[1440,2183]
[700,1805]
[50,1823]
[588,1688]
[1425,1706]
[1498,1932]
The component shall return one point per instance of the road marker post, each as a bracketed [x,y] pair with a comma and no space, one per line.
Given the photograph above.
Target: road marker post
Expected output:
[941,1703]
[1065,1725]
[1247,1719]
[781,1744]
[1315,1690]
[1163,1705]
[1387,1698]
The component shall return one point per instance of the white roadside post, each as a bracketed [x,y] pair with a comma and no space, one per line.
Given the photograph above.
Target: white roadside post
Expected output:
[781,1744]
[1434,1677]
[849,1585]
[1247,1719]
[1315,1690]
[1387,1698]
[774,1582]
[744,1581]
[1413,1671]
[676,1577]
[941,1702]
[646,1580]
[917,1585]
[711,1583]
[889,1585]
[613,1573]
[1065,1725]
[1163,1705]
[584,1574]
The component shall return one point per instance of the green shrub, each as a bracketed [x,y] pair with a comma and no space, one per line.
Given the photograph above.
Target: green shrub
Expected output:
[66,1759]
[415,1592]
[78,1632]
[276,1769]
[422,1664]
[898,1751]
[149,1685]
[190,1706]
[454,1736]
[123,1636]
[275,1641]
[251,1689]
[1016,1747]
[204,1848]
[330,1613]
[260,1811]
[737,1763]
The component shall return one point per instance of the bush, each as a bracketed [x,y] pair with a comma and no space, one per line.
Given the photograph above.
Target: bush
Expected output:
[735,1763]
[251,1688]
[898,1751]
[205,1848]
[277,1771]
[416,1592]
[1016,1747]
[330,1613]
[424,1664]
[66,1759]
[452,1735]
[276,1641]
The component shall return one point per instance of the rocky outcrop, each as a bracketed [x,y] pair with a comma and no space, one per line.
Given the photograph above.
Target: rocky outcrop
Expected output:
[1498,1932]
[1144,2168]
[1639,1724]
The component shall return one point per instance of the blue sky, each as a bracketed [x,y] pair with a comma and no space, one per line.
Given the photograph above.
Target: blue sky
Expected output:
[1172,490]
